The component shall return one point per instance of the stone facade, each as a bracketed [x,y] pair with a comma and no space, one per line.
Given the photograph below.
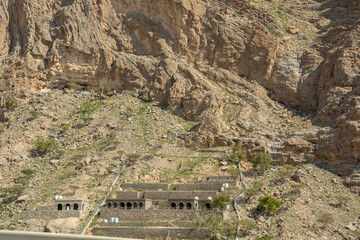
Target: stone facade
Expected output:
[155,233]
[160,214]
[60,209]
[162,210]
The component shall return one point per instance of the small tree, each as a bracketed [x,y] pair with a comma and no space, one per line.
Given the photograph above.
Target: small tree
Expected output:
[11,103]
[45,146]
[261,162]
[220,201]
[238,154]
[268,204]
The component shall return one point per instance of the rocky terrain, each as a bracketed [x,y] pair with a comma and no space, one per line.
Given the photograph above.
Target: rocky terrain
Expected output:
[165,79]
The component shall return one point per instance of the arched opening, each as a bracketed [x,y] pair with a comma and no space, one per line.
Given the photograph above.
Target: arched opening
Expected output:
[122,205]
[67,207]
[141,205]
[76,206]
[135,205]
[173,205]
[207,206]
[196,206]
[115,205]
[128,205]
[109,205]
[181,206]
[188,206]
[59,206]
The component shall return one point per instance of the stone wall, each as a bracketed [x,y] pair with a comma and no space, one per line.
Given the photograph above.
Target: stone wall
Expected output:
[214,186]
[50,214]
[154,233]
[148,224]
[160,214]
[179,195]
[127,195]
[145,186]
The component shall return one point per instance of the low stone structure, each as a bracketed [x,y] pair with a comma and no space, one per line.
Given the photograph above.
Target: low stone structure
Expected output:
[155,233]
[165,205]
[60,209]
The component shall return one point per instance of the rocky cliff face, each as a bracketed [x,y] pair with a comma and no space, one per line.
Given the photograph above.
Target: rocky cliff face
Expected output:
[230,65]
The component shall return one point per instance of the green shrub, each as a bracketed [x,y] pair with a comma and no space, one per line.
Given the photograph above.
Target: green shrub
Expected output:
[14,190]
[34,113]
[87,108]
[103,90]
[75,86]
[45,146]
[238,154]
[11,103]
[220,201]
[28,171]
[268,204]
[261,162]
[23,181]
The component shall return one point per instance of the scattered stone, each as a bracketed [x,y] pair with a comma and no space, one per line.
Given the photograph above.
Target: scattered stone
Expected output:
[293,30]
[223,163]
[299,175]
[309,169]
[351,227]
[22,198]
[224,168]
[49,229]
[334,180]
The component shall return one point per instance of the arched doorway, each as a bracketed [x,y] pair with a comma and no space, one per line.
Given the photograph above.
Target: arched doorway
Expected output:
[122,205]
[173,205]
[109,205]
[128,205]
[135,205]
[141,205]
[207,206]
[67,208]
[115,205]
[181,206]
[188,206]
[76,206]
[59,206]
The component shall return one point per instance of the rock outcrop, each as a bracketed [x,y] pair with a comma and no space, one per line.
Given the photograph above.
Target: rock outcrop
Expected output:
[189,54]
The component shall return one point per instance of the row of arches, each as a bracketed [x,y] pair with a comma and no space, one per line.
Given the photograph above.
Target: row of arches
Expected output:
[68,207]
[181,206]
[128,205]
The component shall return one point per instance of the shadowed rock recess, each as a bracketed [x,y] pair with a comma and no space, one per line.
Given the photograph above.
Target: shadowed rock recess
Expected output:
[277,76]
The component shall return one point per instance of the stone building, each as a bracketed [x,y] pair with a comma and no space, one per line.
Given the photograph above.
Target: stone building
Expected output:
[153,206]
[60,209]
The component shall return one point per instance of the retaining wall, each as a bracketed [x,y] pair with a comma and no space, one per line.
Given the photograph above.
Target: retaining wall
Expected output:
[44,214]
[155,233]
[145,186]
[148,224]
[159,214]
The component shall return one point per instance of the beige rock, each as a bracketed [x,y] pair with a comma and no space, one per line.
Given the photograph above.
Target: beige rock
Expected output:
[293,30]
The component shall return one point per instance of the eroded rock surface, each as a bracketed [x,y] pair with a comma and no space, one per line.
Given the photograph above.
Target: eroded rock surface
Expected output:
[224,64]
